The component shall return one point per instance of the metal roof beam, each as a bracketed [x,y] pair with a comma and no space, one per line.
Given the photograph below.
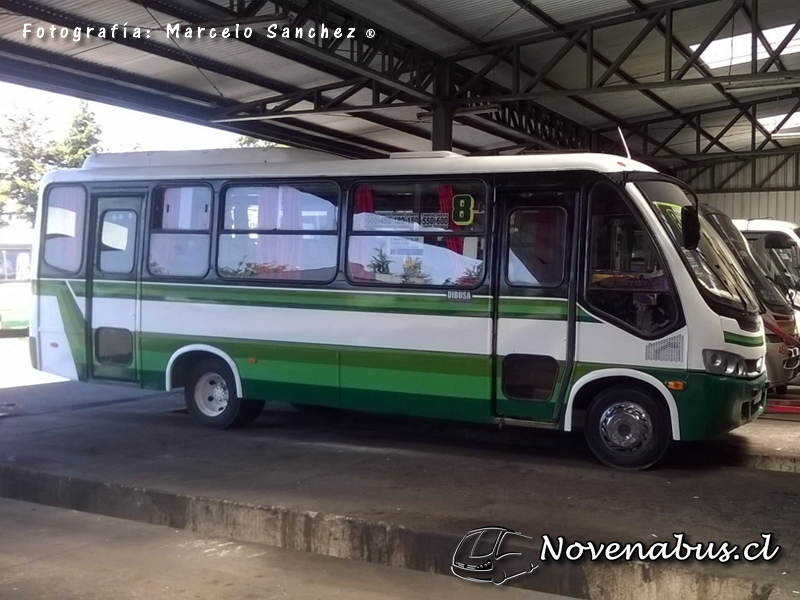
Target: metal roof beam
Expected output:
[710,37]
[777,168]
[31,9]
[777,77]
[517,68]
[424,62]
[558,30]
[45,70]
[691,57]
[617,69]
[707,111]
[313,55]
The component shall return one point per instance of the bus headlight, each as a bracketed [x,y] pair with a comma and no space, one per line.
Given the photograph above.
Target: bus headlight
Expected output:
[720,362]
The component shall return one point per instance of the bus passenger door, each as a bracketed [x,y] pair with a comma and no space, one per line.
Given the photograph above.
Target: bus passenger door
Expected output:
[113,286]
[535,329]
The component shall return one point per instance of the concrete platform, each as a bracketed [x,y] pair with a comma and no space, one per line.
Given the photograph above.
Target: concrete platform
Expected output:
[55,554]
[403,492]
[400,492]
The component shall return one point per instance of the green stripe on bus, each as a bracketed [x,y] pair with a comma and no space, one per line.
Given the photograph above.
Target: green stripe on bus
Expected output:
[549,309]
[420,361]
[364,301]
[74,326]
[281,298]
[743,340]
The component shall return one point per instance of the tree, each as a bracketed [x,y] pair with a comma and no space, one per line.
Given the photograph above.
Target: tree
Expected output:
[83,139]
[29,155]
[26,153]
[245,141]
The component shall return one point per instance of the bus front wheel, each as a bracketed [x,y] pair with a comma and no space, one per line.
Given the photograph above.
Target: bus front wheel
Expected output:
[211,398]
[627,428]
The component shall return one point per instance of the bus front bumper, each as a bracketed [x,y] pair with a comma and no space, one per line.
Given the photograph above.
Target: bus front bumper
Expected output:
[711,404]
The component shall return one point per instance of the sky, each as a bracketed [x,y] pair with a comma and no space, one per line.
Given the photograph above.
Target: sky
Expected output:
[123,130]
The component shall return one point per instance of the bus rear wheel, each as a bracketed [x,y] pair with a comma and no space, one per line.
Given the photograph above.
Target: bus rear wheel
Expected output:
[627,428]
[211,398]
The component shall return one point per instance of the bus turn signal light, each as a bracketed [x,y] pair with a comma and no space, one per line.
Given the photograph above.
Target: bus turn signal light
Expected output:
[676,386]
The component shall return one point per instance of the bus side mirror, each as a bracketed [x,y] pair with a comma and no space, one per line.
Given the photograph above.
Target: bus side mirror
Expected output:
[775,241]
[690,226]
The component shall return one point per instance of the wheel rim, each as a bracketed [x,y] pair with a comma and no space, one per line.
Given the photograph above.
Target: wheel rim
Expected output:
[211,395]
[625,428]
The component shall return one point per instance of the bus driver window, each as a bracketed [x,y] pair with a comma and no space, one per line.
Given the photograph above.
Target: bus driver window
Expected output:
[626,280]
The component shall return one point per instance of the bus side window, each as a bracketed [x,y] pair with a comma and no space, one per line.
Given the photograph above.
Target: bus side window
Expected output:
[417,233]
[279,232]
[625,278]
[537,247]
[180,237]
[64,227]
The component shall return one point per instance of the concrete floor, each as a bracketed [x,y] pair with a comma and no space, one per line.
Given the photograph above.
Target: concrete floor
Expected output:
[56,554]
[334,483]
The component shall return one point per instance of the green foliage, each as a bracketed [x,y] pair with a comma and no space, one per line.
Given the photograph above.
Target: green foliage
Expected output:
[26,164]
[413,273]
[245,141]
[29,155]
[83,139]
[253,270]
[380,263]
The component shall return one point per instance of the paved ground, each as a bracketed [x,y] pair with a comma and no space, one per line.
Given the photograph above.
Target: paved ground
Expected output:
[55,554]
[421,476]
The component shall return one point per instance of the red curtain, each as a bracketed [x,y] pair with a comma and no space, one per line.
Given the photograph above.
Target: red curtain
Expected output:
[446,205]
[364,203]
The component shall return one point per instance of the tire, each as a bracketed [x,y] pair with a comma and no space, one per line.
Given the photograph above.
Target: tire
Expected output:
[211,398]
[627,428]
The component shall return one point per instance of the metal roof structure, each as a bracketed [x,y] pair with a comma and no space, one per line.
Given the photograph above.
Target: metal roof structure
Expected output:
[706,89]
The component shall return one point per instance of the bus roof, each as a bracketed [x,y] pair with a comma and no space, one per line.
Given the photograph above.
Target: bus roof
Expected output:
[16,237]
[291,162]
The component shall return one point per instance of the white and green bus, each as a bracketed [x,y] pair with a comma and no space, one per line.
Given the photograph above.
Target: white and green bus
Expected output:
[554,291]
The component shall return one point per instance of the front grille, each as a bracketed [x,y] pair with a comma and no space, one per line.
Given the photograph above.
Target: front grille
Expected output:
[752,367]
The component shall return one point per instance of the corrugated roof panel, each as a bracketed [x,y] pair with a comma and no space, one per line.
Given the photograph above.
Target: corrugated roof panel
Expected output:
[566,107]
[689,98]
[566,11]
[110,12]
[485,19]
[393,17]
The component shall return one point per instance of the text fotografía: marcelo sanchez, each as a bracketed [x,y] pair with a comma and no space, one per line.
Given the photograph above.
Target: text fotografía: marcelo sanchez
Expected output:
[177,31]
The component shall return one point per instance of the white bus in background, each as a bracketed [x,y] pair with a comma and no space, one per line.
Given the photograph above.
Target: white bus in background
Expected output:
[576,291]
[15,277]
[777,243]
[783,348]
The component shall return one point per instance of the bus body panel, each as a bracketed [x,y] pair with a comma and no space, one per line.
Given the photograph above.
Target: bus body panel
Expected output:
[402,350]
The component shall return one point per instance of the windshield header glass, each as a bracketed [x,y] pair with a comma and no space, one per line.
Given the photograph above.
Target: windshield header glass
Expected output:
[712,265]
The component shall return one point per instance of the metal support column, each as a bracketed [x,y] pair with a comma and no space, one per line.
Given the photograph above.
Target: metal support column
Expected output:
[442,126]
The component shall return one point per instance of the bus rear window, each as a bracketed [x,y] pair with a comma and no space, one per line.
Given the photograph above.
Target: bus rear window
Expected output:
[64,228]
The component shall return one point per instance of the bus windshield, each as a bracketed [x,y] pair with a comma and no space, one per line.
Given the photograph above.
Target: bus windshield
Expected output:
[765,289]
[711,263]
